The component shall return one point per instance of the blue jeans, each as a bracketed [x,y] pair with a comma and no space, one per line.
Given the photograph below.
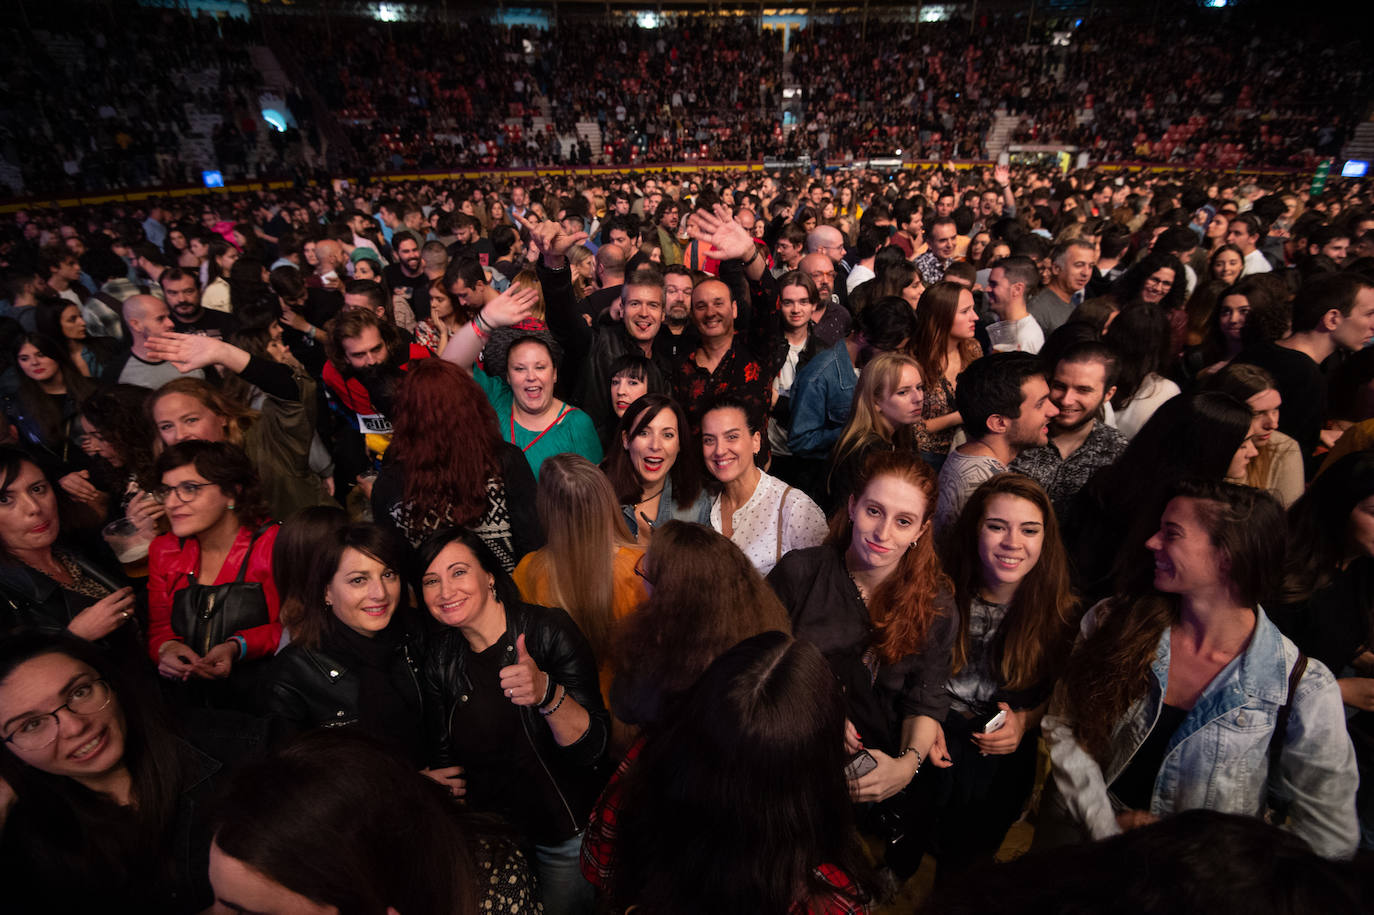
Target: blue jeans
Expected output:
[562,888]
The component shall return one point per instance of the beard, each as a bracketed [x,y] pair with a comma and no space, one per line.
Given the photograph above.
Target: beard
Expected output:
[1086,417]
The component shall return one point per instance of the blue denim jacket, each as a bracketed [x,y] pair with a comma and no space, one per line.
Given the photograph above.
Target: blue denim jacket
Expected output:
[1218,759]
[822,398]
[698,512]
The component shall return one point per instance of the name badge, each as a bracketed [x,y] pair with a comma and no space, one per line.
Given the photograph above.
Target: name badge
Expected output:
[374,423]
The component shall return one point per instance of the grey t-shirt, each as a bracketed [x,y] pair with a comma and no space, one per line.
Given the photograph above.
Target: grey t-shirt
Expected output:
[959,477]
[1049,310]
[153,375]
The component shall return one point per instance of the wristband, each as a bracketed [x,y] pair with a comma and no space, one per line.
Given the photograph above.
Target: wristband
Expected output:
[755,256]
[243,645]
[548,691]
[557,704]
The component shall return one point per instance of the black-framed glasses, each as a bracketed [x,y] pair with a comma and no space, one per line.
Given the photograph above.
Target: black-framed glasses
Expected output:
[39,731]
[186,491]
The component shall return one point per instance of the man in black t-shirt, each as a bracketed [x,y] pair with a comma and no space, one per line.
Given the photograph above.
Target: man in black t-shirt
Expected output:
[469,242]
[181,290]
[409,272]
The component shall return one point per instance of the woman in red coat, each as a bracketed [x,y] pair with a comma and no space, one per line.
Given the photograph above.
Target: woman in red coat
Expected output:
[220,535]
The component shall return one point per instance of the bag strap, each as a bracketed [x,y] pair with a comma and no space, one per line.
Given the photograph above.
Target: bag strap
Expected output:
[782,504]
[248,554]
[1281,725]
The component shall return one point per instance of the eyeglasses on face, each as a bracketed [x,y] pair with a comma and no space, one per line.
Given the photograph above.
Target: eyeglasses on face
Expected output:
[186,491]
[39,731]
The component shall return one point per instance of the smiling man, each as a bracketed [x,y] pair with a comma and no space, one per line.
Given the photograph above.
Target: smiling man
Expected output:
[1005,402]
[1081,441]
[1072,269]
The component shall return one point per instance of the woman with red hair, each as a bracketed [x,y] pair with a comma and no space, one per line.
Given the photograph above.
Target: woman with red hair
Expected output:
[875,601]
[448,466]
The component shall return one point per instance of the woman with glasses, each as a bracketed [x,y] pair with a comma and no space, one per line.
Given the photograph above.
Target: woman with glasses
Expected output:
[101,807]
[276,431]
[51,586]
[217,538]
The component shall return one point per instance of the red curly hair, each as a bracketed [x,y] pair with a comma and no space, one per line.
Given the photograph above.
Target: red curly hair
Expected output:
[903,607]
[446,434]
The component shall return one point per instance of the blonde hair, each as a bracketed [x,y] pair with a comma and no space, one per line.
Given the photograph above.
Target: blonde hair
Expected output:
[578,255]
[585,531]
[866,425]
[528,279]
[238,417]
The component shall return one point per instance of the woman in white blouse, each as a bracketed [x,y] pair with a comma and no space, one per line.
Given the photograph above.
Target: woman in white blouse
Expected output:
[761,514]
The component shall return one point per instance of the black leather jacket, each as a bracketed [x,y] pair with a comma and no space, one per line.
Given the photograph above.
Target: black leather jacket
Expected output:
[314,688]
[561,651]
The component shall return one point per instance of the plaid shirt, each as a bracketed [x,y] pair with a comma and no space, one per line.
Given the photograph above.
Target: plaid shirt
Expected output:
[598,850]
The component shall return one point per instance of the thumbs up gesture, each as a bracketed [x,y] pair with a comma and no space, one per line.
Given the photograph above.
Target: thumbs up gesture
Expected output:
[523,682]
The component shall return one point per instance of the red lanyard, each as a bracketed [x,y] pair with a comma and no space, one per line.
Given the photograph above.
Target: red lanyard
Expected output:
[556,420]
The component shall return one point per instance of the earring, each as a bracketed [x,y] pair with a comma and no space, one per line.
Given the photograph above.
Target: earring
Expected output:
[232,506]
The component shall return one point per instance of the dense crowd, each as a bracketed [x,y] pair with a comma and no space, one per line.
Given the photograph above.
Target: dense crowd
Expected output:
[762,526]
[1200,88]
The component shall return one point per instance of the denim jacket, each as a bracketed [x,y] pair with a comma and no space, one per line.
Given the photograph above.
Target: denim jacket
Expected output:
[698,512]
[822,397]
[1218,759]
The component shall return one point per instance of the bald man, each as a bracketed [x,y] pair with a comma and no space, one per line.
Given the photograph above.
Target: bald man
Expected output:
[147,316]
[610,274]
[332,263]
[831,318]
[829,241]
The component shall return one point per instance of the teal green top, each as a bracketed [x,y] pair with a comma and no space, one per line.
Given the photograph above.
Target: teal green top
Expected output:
[572,432]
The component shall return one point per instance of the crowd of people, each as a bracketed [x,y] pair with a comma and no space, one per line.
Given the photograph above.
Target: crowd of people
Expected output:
[547,545]
[1122,85]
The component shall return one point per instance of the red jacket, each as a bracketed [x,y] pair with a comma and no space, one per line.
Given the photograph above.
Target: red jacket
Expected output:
[169,564]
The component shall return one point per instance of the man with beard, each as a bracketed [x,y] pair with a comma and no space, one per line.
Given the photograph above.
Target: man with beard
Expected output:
[678,337]
[832,319]
[407,276]
[181,290]
[1005,402]
[1080,439]
[366,358]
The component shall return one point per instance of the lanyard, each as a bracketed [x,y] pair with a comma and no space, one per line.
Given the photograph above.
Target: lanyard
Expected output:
[556,420]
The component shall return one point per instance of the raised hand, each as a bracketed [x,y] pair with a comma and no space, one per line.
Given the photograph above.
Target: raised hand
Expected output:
[723,238]
[1002,175]
[510,307]
[551,241]
[189,352]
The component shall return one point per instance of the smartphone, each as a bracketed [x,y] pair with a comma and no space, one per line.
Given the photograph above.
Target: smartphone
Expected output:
[995,722]
[860,764]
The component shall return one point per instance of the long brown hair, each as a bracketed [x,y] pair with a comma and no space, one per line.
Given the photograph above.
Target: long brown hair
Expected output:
[934,319]
[1243,381]
[585,530]
[707,596]
[1037,633]
[1110,669]
[903,607]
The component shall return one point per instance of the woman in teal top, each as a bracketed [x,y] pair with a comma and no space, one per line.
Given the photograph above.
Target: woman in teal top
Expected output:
[520,369]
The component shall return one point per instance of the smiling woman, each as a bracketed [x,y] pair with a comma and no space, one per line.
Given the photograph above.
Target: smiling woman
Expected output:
[874,600]
[100,805]
[355,648]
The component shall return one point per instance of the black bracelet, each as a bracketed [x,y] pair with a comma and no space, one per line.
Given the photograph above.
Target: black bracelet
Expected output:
[548,691]
[755,257]
[556,705]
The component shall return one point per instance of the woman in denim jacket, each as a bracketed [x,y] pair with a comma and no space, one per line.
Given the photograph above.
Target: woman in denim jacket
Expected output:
[1172,699]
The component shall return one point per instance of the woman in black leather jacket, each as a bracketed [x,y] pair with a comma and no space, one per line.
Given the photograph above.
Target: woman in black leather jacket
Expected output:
[354,655]
[514,715]
[47,585]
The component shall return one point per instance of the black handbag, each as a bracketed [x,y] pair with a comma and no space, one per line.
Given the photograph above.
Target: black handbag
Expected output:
[203,616]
